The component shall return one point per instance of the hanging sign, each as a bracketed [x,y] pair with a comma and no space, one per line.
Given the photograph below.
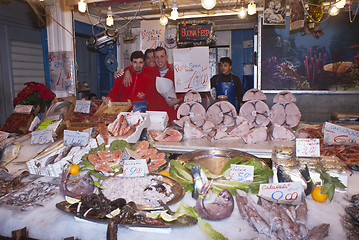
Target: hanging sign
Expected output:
[61,67]
[191,68]
[152,35]
[194,32]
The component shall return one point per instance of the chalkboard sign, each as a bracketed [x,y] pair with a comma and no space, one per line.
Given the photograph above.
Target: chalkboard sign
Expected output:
[195,33]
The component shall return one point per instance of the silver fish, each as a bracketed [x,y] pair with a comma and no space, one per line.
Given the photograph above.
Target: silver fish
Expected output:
[290,227]
[222,207]
[199,179]
[306,175]
[319,232]
[282,176]
[8,154]
[50,149]
[301,212]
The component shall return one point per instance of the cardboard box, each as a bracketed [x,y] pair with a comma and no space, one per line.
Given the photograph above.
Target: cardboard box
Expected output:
[158,120]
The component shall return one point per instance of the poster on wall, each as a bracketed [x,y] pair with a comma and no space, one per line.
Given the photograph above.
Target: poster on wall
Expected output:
[274,12]
[152,35]
[296,15]
[325,58]
[61,66]
[191,67]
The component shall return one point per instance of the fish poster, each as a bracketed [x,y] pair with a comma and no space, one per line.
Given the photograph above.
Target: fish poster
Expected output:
[152,34]
[325,58]
[61,66]
[191,69]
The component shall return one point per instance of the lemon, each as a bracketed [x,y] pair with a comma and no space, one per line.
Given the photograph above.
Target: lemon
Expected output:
[154,214]
[318,196]
[169,218]
[74,169]
[164,172]
[71,200]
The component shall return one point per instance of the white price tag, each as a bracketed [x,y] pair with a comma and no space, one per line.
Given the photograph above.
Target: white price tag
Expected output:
[307,147]
[135,168]
[3,135]
[287,192]
[82,106]
[26,109]
[76,138]
[42,136]
[241,173]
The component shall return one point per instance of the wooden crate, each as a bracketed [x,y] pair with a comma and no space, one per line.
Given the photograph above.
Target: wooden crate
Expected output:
[114,107]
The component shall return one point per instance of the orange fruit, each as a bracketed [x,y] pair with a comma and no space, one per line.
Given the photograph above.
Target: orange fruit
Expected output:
[318,196]
[74,169]
[164,172]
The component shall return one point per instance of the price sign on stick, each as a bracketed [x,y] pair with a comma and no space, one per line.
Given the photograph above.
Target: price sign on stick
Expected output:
[307,147]
[135,168]
[82,106]
[3,135]
[76,138]
[26,109]
[286,193]
[42,136]
[241,173]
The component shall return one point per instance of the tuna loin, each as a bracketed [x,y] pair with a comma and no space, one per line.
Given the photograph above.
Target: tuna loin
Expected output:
[254,94]
[256,112]
[284,96]
[256,135]
[192,96]
[195,111]
[222,113]
[190,131]
[285,114]
[281,133]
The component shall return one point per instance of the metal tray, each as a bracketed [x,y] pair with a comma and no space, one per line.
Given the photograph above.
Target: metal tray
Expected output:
[185,221]
[214,159]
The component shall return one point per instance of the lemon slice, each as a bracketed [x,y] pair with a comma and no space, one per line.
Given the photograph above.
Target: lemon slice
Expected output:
[71,200]
[154,214]
[113,213]
[169,218]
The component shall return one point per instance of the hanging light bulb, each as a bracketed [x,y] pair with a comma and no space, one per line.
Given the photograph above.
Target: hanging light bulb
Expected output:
[174,13]
[242,13]
[208,4]
[333,10]
[340,3]
[252,8]
[109,19]
[82,6]
[163,20]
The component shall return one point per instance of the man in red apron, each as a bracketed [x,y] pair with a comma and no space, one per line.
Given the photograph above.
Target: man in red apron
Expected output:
[228,84]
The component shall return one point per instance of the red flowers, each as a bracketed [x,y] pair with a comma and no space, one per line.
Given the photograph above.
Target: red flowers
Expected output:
[34,94]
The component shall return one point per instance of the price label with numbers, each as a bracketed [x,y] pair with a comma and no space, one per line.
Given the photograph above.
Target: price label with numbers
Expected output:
[26,109]
[76,138]
[82,106]
[3,135]
[241,173]
[42,136]
[307,147]
[286,193]
[135,168]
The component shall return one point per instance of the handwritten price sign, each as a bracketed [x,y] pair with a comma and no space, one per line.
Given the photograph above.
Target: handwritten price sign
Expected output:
[288,192]
[191,67]
[307,147]
[82,106]
[241,173]
[42,136]
[135,168]
[3,135]
[76,138]
[26,109]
